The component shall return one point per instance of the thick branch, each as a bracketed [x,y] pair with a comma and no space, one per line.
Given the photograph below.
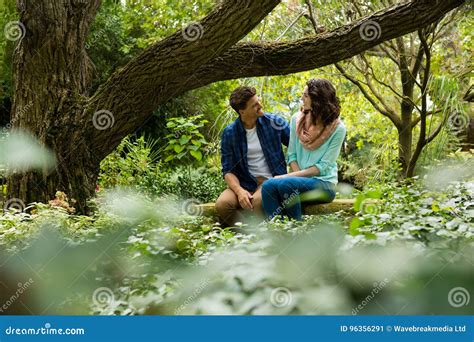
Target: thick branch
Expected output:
[173,66]
[260,59]
[165,68]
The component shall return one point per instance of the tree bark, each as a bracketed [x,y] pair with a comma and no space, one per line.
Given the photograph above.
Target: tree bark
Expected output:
[405,133]
[252,59]
[51,76]
[165,69]
[422,141]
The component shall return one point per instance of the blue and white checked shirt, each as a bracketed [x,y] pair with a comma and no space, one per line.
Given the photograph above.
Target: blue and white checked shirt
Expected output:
[272,131]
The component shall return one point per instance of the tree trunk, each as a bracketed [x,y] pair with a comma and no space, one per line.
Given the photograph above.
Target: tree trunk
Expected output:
[76,177]
[405,133]
[404,147]
[51,74]
[405,130]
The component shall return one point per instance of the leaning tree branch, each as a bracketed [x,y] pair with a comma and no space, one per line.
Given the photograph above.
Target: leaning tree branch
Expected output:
[312,17]
[436,131]
[164,69]
[174,66]
[417,65]
[267,58]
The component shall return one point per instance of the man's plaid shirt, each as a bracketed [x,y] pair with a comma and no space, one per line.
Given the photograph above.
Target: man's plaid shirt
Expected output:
[272,131]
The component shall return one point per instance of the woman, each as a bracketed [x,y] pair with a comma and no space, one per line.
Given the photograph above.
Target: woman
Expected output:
[316,137]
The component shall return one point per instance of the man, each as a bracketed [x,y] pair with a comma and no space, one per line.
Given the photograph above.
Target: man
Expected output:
[251,152]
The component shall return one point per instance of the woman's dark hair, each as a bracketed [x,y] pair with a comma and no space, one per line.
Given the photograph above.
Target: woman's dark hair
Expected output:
[324,102]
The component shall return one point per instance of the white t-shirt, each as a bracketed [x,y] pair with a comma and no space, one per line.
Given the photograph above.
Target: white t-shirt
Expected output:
[258,166]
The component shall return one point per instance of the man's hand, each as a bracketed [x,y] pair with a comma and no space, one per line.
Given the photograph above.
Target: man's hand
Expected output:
[245,199]
[243,195]
[279,176]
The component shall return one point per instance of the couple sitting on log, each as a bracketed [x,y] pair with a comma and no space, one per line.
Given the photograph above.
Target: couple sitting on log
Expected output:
[254,165]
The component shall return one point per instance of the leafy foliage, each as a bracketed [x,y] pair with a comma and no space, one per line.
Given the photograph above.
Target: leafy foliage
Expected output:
[134,164]
[185,142]
[173,263]
[203,184]
[412,212]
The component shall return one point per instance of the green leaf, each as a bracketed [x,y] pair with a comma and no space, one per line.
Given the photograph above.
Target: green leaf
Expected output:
[184,139]
[196,154]
[182,244]
[354,226]
[373,194]
[358,201]
[178,148]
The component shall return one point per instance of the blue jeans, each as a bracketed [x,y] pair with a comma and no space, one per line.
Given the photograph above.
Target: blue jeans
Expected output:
[283,196]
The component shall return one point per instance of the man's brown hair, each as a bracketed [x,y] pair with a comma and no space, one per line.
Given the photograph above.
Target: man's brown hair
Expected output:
[240,96]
